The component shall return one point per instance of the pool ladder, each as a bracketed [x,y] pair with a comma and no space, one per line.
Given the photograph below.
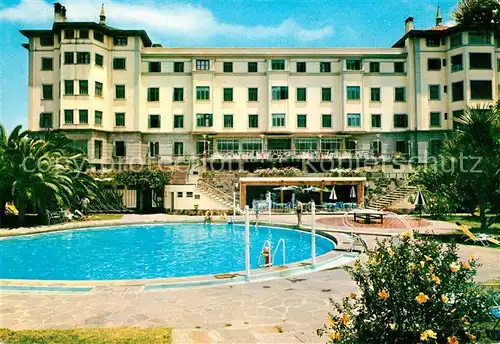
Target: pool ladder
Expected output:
[271,260]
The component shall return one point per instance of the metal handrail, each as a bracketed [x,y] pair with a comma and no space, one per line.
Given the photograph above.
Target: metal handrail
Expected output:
[262,250]
[281,241]
[208,186]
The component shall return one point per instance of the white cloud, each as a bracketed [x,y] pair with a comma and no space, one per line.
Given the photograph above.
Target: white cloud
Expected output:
[165,21]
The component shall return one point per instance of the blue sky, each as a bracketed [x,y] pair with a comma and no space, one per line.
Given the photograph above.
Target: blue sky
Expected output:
[215,23]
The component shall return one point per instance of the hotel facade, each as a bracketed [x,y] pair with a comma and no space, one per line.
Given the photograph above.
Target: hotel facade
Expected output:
[126,100]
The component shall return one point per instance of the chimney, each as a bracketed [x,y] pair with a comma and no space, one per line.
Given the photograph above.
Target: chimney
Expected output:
[102,16]
[59,13]
[439,19]
[409,24]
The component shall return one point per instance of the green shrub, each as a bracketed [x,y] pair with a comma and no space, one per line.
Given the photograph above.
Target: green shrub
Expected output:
[411,291]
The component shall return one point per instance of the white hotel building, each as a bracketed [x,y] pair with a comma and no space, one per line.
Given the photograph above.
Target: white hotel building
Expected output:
[123,99]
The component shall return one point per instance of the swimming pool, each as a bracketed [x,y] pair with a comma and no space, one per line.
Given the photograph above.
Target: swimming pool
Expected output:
[147,251]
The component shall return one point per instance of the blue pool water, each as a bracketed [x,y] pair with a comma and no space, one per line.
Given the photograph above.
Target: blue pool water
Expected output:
[146,251]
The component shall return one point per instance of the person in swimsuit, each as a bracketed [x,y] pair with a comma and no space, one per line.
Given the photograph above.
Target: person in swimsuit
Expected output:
[298,211]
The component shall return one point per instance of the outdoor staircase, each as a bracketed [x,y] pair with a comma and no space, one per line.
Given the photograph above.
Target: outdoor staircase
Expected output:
[180,175]
[219,194]
[403,192]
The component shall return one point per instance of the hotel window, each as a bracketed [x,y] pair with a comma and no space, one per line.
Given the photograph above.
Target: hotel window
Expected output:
[279,92]
[178,94]
[253,121]
[228,121]
[329,145]
[326,121]
[325,67]
[69,58]
[433,42]
[120,149]
[83,34]
[376,147]
[98,36]
[353,93]
[68,116]
[202,92]
[434,92]
[178,121]
[228,145]
[326,94]
[69,88]
[457,91]
[301,94]
[204,120]
[47,41]
[83,116]
[401,120]
[251,145]
[435,119]
[45,120]
[435,147]
[69,34]
[153,94]
[375,94]
[252,67]
[154,67]
[278,64]
[81,145]
[253,94]
[433,64]
[301,121]
[457,63]
[97,149]
[98,89]
[399,94]
[180,194]
[353,64]
[301,67]
[376,120]
[119,91]
[83,87]
[444,62]
[374,67]
[481,90]
[120,41]
[399,67]
[47,63]
[99,60]
[228,94]
[480,61]
[445,89]
[82,57]
[353,119]
[227,67]
[202,64]
[189,194]
[47,92]
[479,38]
[278,119]
[98,117]
[305,144]
[119,119]
[178,67]
[456,40]
[154,121]
[119,63]
[402,147]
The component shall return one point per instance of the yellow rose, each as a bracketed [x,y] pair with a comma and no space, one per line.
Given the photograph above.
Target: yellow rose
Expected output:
[422,298]
[422,264]
[454,267]
[383,294]
[444,298]
[334,335]
[466,266]
[330,321]
[371,262]
[436,279]
[391,252]
[405,235]
[352,296]
[431,269]
[356,265]
[427,334]
[466,322]
[472,338]
[411,267]
[472,258]
[428,259]
[345,319]
[453,340]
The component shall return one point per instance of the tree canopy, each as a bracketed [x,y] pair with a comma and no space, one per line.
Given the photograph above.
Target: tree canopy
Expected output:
[478,14]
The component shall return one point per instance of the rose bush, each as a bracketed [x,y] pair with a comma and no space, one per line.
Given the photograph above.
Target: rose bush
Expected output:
[411,291]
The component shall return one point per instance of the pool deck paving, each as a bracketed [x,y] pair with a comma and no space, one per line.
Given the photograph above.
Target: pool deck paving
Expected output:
[286,310]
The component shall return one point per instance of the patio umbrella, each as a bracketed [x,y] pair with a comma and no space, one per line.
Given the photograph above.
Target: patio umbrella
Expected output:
[333,194]
[352,194]
[312,189]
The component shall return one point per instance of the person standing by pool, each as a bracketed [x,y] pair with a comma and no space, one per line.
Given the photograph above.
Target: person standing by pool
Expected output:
[298,211]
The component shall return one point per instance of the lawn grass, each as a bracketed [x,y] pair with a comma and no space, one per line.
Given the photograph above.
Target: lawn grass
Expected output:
[100,217]
[119,335]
